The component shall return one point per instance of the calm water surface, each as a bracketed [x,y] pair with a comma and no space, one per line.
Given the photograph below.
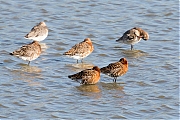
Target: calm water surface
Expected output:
[149,90]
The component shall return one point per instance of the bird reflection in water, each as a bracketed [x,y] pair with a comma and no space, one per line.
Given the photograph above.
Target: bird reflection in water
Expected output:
[90,90]
[134,53]
[27,74]
[113,86]
[116,92]
[29,69]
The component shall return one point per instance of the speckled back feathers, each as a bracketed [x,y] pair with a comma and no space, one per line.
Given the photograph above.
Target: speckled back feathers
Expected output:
[28,52]
[116,69]
[88,76]
[81,50]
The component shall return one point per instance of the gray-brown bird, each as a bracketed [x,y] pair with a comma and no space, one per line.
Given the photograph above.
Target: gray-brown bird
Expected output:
[88,76]
[116,69]
[80,50]
[38,32]
[28,52]
[133,36]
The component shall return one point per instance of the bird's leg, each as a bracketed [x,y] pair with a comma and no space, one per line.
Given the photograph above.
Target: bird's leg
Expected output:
[115,79]
[77,61]
[131,47]
[82,60]
[28,62]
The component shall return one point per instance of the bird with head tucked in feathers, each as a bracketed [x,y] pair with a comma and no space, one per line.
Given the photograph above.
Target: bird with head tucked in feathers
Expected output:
[88,76]
[133,36]
[80,50]
[38,32]
[28,52]
[116,69]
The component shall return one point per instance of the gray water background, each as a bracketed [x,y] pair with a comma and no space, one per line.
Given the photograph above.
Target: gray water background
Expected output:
[149,90]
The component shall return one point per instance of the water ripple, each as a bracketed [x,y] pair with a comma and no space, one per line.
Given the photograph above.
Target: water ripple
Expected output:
[42,90]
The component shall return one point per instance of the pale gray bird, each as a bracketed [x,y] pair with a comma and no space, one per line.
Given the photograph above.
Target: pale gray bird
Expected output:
[38,32]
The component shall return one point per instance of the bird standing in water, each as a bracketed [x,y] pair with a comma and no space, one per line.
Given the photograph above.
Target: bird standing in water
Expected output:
[88,76]
[80,50]
[116,69]
[28,52]
[133,36]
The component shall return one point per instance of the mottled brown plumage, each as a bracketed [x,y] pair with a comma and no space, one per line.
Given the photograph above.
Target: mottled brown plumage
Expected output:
[88,76]
[28,52]
[38,32]
[116,69]
[80,50]
[133,36]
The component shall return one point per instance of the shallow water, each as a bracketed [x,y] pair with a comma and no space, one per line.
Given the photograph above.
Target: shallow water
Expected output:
[149,90]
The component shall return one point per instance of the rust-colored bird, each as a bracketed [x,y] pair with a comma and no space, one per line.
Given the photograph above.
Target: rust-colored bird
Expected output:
[133,36]
[80,50]
[88,76]
[28,52]
[116,69]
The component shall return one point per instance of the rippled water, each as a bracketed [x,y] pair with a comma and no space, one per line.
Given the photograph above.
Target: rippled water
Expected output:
[149,90]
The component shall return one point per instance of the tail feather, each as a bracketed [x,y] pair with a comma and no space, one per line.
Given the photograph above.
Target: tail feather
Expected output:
[118,40]
[26,36]
[10,53]
[75,76]
[70,76]
[66,53]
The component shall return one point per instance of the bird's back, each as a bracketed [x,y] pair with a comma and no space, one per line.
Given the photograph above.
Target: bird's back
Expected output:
[88,76]
[80,50]
[28,52]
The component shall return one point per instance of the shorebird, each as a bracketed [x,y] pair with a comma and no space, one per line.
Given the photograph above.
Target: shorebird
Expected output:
[133,36]
[88,76]
[80,50]
[38,32]
[116,69]
[28,52]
